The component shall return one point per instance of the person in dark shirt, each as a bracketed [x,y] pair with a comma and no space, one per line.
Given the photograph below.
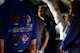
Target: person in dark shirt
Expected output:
[71,43]
[50,25]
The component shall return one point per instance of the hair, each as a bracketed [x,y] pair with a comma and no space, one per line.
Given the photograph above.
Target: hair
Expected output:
[43,6]
[76,4]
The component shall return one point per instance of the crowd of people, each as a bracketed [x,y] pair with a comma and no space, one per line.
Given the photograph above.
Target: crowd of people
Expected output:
[24,31]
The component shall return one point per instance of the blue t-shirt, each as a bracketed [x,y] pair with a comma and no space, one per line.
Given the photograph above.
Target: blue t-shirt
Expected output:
[18,26]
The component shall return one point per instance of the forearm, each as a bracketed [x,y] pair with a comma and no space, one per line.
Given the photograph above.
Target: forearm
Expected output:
[32,46]
[32,50]
[1,46]
[43,46]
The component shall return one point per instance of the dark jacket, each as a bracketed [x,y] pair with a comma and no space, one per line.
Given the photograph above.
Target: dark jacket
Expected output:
[73,33]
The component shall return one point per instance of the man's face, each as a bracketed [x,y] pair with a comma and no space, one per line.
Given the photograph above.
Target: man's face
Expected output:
[67,18]
[42,12]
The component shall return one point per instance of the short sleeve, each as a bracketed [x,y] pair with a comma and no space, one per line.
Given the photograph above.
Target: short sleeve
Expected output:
[34,31]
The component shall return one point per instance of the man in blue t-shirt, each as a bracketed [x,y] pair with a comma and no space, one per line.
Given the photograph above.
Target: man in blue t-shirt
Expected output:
[17,28]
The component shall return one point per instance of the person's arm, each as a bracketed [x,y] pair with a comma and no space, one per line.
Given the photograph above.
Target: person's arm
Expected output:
[32,46]
[1,46]
[1,39]
[46,38]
